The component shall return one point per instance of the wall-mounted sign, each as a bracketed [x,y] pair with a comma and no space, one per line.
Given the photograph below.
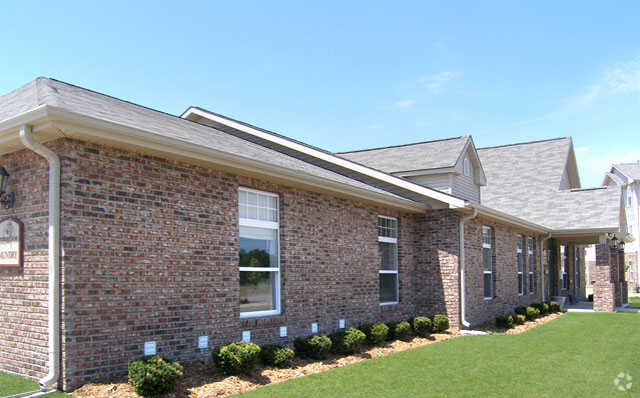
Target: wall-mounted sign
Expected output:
[11,242]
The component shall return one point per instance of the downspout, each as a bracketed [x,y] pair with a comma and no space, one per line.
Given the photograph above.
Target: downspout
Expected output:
[54,254]
[542,264]
[463,306]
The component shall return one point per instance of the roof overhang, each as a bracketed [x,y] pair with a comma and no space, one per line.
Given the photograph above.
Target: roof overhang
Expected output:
[50,123]
[505,218]
[429,193]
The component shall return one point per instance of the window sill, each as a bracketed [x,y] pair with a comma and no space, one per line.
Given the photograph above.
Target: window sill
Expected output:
[389,303]
[259,314]
[488,298]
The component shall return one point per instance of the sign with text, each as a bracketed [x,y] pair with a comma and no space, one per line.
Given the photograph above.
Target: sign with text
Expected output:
[11,242]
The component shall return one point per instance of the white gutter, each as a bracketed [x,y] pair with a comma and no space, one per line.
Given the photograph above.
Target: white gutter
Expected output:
[542,264]
[54,254]
[461,258]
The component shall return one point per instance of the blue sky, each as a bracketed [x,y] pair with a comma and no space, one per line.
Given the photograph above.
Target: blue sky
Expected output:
[354,75]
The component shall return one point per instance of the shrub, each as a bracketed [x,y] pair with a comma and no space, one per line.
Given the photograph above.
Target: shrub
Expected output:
[519,319]
[537,312]
[530,313]
[521,310]
[347,341]
[276,355]
[399,330]
[151,376]
[376,334]
[421,325]
[554,306]
[505,321]
[544,308]
[236,357]
[440,323]
[316,347]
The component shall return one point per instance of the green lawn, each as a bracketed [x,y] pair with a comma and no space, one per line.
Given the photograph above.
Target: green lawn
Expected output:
[578,355]
[10,385]
[634,302]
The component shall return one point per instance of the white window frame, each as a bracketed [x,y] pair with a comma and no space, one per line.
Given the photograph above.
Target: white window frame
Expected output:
[248,222]
[466,166]
[531,264]
[484,272]
[521,281]
[386,239]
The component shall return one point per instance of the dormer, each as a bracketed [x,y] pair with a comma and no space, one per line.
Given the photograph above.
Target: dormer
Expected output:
[450,165]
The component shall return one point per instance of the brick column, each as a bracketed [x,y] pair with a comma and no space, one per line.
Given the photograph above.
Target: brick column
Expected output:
[624,286]
[604,287]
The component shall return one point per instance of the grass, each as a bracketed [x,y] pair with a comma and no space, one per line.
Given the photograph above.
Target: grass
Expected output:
[574,356]
[634,302]
[10,385]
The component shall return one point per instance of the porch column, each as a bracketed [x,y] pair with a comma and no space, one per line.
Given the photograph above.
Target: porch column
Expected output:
[604,287]
[624,285]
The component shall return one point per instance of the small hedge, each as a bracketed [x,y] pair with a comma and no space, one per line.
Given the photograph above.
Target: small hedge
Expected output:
[440,323]
[276,355]
[542,307]
[347,341]
[235,358]
[421,325]
[505,321]
[519,319]
[530,313]
[376,334]
[152,376]
[399,331]
[554,306]
[521,310]
[315,347]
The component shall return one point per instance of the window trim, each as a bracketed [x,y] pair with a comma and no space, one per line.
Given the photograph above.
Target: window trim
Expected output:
[519,250]
[531,263]
[466,166]
[386,239]
[484,272]
[248,222]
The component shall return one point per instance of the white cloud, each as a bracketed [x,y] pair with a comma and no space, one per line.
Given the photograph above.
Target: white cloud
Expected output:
[623,78]
[404,103]
[436,81]
[582,149]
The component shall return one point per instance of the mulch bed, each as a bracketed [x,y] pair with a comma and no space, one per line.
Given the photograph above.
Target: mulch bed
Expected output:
[517,329]
[201,379]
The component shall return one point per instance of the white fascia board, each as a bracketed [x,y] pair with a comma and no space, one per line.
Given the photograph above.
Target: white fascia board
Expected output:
[453,202]
[412,173]
[508,218]
[95,129]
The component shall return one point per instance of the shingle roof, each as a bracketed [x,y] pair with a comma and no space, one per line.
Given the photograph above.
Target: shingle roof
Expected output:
[419,156]
[45,91]
[524,179]
[631,170]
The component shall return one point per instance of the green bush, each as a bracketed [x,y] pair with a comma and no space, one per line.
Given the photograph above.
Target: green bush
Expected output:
[276,355]
[235,358]
[554,306]
[519,319]
[376,333]
[399,331]
[316,347]
[347,341]
[421,325]
[521,310]
[440,323]
[151,376]
[530,313]
[505,321]
[542,307]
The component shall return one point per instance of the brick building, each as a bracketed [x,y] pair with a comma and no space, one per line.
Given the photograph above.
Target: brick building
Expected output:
[128,230]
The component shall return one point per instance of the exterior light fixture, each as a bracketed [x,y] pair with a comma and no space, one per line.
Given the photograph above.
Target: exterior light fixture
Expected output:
[7,199]
[621,245]
[614,243]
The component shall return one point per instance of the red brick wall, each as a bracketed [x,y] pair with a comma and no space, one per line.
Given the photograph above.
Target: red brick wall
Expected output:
[23,292]
[506,297]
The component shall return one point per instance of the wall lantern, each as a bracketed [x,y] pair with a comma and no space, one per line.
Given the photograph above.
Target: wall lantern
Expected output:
[621,245]
[7,199]
[614,243]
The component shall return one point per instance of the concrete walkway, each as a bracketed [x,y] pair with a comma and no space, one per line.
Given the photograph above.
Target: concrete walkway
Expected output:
[587,306]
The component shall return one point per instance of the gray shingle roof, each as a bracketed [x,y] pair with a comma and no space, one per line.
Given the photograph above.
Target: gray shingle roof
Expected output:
[631,170]
[419,156]
[524,180]
[44,91]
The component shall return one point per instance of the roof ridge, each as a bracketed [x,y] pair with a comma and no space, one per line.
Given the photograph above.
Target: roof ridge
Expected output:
[525,143]
[404,145]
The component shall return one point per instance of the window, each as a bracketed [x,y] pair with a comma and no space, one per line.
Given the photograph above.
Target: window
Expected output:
[487,262]
[520,259]
[259,259]
[531,265]
[576,282]
[388,247]
[564,277]
[466,166]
